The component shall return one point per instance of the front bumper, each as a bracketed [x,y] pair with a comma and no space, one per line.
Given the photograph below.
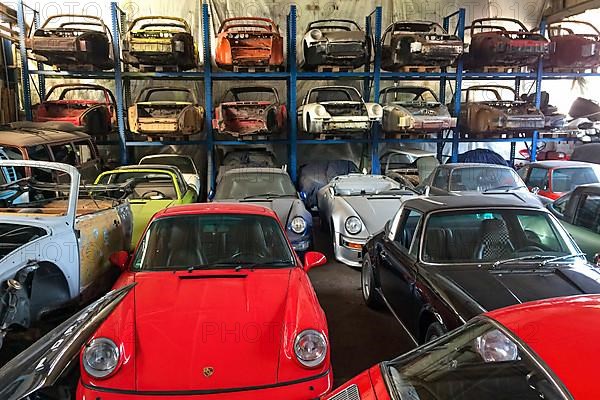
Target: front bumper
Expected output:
[334,125]
[352,54]
[348,250]
[154,127]
[302,389]
[434,123]
[523,123]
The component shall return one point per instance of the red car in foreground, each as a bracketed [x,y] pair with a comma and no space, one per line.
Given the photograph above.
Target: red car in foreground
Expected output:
[91,107]
[541,350]
[222,307]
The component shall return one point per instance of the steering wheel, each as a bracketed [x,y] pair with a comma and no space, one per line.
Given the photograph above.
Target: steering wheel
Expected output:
[532,236]
[530,248]
[145,195]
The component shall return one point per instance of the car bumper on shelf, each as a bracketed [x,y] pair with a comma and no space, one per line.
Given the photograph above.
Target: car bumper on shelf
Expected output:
[339,125]
[348,250]
[300,390]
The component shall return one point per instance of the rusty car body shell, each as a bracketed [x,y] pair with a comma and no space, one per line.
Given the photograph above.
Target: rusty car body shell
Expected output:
[79,41]
[407,43]
[96,117]
[493,45]
[166,117]
[57,250]
[241,118]
[335,42]
[160,40]
[496,114]
[249,42]
[573,50]
[417,114]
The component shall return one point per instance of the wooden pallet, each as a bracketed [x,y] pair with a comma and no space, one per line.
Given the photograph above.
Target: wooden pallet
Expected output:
[158,68]
[339,136]
[334,68]
[571,70]
[500,69]
[253,69]
[419,68]
[408,135]
[182,138]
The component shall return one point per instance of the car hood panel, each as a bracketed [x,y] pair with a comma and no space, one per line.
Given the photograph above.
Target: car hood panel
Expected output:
[218,319]
[498,289]
[374,212]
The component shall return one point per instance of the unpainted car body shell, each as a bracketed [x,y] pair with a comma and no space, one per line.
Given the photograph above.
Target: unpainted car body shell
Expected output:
[160,40]
[570,49]
[411,43]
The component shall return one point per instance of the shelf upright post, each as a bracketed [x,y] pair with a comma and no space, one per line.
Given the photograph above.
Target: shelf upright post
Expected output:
[292,95]
[442,92]
[539,72]
[24,62]
[513,145]
[40,66]
[367,67]
[116,16]
[208,90]
[375,131]
[458,85]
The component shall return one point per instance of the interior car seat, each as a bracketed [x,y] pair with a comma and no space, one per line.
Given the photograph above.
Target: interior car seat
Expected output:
[495,243]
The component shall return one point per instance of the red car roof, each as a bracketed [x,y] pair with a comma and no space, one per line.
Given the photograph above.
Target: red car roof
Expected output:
[564,333]
[215,208]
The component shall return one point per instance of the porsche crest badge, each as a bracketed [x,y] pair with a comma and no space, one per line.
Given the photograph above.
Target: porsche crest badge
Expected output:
[208,371]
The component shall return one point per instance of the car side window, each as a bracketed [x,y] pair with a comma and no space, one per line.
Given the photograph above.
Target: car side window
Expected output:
[64,153]
[441,179]
[405,234]
[538,178]
[84,151]
[588,213]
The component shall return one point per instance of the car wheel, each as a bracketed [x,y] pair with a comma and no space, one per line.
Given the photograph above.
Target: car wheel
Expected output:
[434,331]
[371,296]
[308,123]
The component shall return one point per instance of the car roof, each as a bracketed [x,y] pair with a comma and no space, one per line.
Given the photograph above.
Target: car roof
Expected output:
[482,201]
[562,164]
[563,332]
[215,208]
[32,136]
[253,170]
[171,168]
[410,151]
[472,165]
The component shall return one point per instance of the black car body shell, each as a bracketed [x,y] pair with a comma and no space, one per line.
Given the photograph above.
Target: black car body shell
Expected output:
[434,48]
[451,294]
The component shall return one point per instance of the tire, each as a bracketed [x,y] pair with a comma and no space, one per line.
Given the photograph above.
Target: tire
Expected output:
[371,296]
[434,331]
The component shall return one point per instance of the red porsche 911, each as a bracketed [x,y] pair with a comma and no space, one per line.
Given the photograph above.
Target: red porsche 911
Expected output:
[222,308]
[540,350]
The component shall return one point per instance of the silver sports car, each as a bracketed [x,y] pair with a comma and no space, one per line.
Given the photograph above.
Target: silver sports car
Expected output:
[355,207]
[271,188]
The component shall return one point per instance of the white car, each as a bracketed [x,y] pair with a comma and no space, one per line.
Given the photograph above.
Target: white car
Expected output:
[337,109]
[356,207]
[185,164]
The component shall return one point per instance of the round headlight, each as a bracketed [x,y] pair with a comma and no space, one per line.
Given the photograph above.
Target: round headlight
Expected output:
[495,346]
[298,225]
[320,110]
[310,347]
[353,225]
[101,357]
[377,109]
[316,34]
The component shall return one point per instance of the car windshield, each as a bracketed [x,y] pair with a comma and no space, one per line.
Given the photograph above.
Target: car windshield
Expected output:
[213,241]
[324,95]
[33,189]
[499,93]
[168,94]
[367,186]
[408,95]
[567,179]
[77,93]
[476,362]
[144,185]
[244,185]
[474,236]
[481,179]
[250,94]
[184,164]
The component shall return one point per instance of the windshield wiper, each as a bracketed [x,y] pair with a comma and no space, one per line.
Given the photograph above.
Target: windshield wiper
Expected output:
[509,260]
[505,187]
[560,258]
[242,265]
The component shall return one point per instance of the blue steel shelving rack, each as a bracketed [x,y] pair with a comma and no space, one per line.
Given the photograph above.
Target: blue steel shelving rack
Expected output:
[372,78]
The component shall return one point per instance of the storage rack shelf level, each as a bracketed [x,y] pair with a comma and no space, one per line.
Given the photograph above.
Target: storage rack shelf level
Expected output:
[371,77]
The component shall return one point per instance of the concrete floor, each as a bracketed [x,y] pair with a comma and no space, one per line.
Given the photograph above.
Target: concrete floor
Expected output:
[360,337]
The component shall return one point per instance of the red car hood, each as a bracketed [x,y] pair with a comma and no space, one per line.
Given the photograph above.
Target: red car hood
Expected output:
[218,321]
